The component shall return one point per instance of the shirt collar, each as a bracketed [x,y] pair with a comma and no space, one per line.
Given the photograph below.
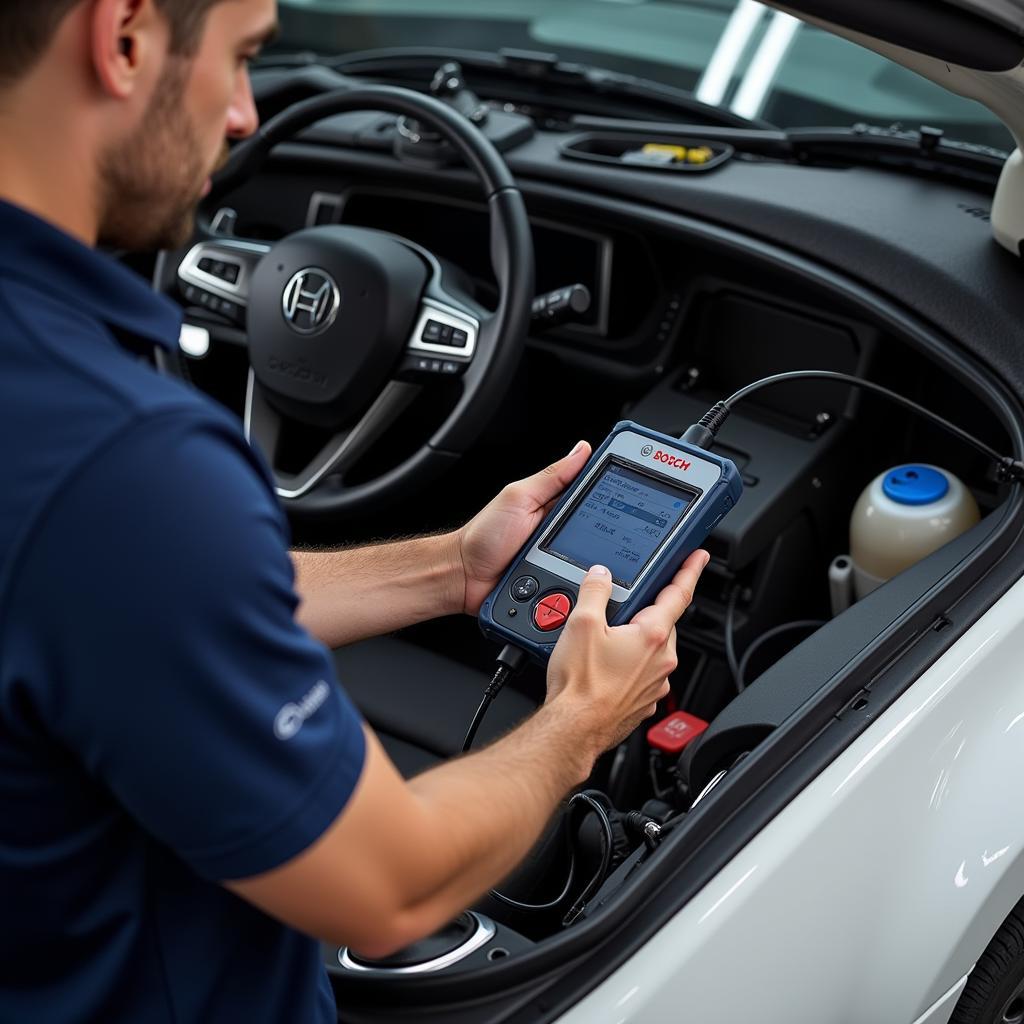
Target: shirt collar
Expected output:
[37,252]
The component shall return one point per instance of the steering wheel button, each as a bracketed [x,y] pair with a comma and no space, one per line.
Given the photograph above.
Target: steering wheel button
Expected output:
[446,334]
[524,588]
[459,338]
[432,331]
[449,367]
[551,612]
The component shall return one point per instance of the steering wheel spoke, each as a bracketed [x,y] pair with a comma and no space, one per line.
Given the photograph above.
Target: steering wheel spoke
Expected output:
[215,275]
[264,426]
[442,341]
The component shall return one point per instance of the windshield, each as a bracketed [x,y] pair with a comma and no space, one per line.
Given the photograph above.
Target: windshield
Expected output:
[742,56]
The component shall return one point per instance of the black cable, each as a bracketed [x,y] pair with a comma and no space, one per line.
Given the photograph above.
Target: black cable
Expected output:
[730,638]
[644,826]
[702,433]
[606,858]
[571,826]
[866,385]
[566,889]
[510,661]
[765,637]
[653,763]
[498,680]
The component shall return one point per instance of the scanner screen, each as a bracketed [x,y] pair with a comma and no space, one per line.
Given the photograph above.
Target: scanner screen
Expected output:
[620,521]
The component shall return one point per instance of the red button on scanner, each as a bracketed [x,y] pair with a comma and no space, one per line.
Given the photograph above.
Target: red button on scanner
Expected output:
[551,612]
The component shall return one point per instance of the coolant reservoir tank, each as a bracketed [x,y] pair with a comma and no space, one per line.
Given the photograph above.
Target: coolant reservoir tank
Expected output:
[901,516]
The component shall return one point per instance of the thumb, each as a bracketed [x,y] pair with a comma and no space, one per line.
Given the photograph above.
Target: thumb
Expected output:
[595,591]
[546,485]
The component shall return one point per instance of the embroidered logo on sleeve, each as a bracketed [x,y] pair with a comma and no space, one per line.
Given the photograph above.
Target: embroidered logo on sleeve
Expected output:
[290,718]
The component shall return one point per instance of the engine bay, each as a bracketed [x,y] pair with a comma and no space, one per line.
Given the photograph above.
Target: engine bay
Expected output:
[806,451]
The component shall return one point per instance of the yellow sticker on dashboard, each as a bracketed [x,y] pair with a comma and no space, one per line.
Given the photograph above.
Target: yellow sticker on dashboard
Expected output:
[677,152]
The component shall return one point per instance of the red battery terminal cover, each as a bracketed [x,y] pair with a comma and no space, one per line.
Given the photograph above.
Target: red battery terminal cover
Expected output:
[676,732]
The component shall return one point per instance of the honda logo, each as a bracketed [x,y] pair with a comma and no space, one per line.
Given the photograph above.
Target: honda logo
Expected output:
[310,302]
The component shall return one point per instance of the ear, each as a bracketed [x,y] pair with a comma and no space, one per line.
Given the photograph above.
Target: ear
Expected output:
[128,39]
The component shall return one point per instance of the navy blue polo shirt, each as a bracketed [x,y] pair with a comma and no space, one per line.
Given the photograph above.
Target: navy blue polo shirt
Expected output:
[164,723]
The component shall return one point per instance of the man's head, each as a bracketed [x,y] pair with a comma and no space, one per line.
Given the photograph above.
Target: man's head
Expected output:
[159,85]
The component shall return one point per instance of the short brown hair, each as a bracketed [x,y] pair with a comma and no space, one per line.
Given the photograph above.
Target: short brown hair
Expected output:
[27,26]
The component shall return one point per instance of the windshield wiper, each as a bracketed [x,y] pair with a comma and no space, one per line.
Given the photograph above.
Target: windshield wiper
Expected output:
[597,88]
[924,149]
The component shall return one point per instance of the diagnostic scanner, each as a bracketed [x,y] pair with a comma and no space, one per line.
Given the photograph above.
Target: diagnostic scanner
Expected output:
[643,502]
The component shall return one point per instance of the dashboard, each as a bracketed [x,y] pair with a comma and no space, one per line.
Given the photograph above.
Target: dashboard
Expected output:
[923,240]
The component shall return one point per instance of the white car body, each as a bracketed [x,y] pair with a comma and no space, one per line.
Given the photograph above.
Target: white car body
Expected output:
[870,897]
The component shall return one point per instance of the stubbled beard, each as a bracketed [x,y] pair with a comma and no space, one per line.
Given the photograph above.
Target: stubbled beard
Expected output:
[151,183]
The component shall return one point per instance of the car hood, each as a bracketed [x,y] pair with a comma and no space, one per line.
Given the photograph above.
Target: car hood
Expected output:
[972,47]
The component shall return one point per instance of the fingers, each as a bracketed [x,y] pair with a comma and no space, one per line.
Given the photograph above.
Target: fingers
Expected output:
[595,591]
[543,487]
[676,597]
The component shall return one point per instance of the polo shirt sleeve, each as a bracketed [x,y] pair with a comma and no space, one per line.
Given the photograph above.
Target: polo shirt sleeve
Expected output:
[159,594]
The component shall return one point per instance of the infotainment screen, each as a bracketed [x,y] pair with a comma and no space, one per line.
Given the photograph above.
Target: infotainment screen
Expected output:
[620,521]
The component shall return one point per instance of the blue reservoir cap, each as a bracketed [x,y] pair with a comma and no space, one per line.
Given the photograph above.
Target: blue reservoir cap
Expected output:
[915,485]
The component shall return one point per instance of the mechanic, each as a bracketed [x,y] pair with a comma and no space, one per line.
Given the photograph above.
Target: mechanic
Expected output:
[187,796]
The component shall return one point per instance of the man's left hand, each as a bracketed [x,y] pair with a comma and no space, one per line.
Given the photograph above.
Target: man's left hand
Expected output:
[493,537]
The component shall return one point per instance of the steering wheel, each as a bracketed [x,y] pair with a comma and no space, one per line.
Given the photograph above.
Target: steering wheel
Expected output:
[345,326]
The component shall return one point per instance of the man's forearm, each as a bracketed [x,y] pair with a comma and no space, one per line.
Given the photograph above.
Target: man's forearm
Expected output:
[404,858]
[360,592]
[489,809]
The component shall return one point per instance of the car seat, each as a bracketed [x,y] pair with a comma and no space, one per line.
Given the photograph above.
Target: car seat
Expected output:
[420,703]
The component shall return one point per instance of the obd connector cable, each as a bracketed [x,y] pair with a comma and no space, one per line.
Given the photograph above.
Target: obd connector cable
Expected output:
[702,433]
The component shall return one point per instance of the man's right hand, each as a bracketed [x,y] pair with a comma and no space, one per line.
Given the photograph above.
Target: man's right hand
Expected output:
[405,857]
[612,677]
